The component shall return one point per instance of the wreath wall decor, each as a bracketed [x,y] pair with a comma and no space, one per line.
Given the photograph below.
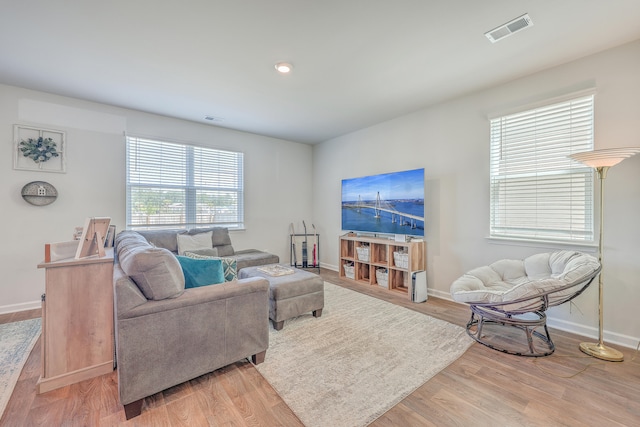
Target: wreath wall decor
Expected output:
[39,149]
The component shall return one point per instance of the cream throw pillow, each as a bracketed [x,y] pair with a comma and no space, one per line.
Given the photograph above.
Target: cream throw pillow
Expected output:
[192,242]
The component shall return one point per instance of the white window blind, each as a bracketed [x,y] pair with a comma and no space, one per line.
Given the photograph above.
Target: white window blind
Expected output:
[537,192]
[179,185]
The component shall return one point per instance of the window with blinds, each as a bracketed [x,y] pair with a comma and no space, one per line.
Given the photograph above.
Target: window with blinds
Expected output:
[178,185]
[537,191]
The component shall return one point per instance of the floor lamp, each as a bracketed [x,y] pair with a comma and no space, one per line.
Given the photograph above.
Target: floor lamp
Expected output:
[601,161]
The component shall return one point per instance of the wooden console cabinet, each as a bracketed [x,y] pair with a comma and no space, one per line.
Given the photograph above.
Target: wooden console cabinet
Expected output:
[381,257]
[77,321]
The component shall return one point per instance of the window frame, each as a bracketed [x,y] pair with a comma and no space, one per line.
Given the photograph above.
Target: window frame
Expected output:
[186,168]
[580,221]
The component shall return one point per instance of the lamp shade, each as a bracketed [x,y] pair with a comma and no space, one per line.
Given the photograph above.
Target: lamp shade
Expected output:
[606,157]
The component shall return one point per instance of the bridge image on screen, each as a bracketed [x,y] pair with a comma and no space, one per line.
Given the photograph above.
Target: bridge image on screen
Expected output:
[390,203]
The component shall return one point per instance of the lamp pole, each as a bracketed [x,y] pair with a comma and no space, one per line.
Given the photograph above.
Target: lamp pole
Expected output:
[598,349]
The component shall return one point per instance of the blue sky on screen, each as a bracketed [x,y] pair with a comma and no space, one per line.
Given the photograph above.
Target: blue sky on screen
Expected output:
[392,186]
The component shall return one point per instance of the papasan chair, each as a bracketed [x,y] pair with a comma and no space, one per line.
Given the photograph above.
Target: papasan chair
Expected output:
[516,294]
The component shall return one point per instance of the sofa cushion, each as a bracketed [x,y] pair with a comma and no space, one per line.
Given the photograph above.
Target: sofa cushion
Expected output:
[163,238]
[155,271]
[229,265]
[254,257]
[225,250]
[201,272]
[192,242]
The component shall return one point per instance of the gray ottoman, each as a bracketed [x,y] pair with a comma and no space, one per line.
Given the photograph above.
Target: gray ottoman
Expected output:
[290,295]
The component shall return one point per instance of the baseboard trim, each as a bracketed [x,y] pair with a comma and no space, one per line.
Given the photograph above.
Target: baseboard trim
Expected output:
[440,294]
[591,333]
[330,267]
[14,308]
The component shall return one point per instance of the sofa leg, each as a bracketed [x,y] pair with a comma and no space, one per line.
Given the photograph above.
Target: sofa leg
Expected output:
[133,409]
[317,313]
[258,358]
[278,325]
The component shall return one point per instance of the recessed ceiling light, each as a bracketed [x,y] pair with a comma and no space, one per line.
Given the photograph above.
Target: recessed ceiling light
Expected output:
[284,67]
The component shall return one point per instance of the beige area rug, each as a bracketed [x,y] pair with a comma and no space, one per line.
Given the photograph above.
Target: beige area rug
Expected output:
[359,359]
[16,342]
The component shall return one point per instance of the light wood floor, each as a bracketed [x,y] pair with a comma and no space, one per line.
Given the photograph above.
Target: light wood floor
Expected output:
[482,388]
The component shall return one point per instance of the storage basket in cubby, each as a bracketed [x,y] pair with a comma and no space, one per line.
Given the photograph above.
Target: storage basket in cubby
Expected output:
[401,259]
[349,271]
[382,277]
[363,253]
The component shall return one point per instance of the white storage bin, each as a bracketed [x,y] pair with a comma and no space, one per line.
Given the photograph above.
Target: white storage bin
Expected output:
[382,277]
[348,271]
[363,253]
[401,259]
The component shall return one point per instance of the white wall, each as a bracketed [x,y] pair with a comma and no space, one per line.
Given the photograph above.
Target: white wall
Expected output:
[277,181]
[451,141]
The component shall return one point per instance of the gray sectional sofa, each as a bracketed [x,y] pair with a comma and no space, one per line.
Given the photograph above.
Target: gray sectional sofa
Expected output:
[166,334]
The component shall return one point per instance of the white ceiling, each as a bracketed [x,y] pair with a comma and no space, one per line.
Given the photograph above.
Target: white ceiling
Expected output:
[356,62]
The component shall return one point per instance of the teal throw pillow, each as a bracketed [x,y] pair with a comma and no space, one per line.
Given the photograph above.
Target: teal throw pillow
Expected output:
[229,265]
[201,272]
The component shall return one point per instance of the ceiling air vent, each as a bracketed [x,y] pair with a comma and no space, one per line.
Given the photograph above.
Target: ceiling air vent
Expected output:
[520,23]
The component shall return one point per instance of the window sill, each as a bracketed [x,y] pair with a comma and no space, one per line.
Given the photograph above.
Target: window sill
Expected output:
[589,247]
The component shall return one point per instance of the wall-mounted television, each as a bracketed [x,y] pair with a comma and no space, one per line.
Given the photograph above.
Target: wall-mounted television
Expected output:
[390,203]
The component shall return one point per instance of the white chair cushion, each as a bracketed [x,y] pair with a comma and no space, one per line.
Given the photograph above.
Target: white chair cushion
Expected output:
[510,280]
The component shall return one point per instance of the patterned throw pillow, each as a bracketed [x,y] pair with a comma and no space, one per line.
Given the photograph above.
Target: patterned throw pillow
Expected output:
[229,265]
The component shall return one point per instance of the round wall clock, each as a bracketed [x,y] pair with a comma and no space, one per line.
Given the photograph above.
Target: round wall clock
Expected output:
[39,193]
